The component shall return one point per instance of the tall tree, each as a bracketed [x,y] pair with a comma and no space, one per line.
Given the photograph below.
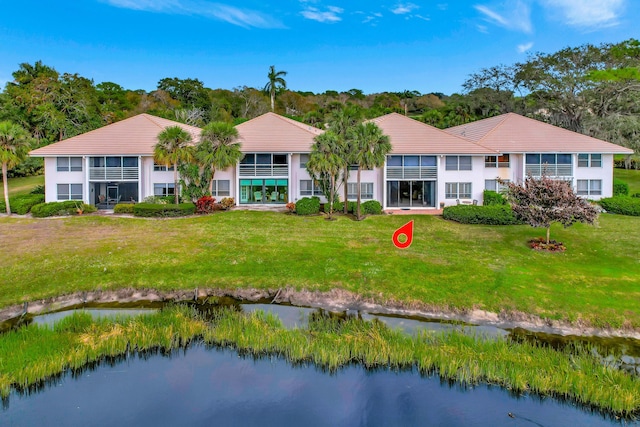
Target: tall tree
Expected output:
[14,145]
[325,165]
[275,83]
[173,147]
[370,149]
[218,148]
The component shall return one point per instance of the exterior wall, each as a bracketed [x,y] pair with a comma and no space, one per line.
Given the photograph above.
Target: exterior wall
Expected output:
[52,178]
[475,176]
[604,173]
[297,174]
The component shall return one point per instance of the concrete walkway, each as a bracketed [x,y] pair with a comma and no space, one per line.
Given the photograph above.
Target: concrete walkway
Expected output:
[413,211]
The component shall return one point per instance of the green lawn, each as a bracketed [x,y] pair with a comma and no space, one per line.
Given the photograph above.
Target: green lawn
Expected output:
[24,185]
[449,265]
[630,176]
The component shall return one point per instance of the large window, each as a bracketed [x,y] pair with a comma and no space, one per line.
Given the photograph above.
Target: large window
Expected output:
[458,190]
[366,190]
[538,164]
[221,187]
[162,168]
[304,158]
[501,161]
[309,188]
[164,189]
[69,164]
[458,163]
[589,187]
[590,160]
[494,185]
[69,191]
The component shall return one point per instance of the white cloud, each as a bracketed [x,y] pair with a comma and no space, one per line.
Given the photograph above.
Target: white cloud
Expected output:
[242,17]
[522,48]
[483,29]
[514,15]
[332,14]
[587,13]
[402,9]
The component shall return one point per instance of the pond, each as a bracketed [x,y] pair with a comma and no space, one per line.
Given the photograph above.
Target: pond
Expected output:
[201,386]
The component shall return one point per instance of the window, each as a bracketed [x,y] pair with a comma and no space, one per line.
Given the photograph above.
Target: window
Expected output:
[458,190]
[162,168]
[366,190]
[308,187]
[494,185]
[304,158]
[590,160]
[69,191]
[589,187]
[69,164]
[164,189]
[501,161]
[549,159]
[221,187]
[458,163]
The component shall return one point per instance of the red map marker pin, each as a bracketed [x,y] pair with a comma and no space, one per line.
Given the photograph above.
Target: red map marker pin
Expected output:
[407,231]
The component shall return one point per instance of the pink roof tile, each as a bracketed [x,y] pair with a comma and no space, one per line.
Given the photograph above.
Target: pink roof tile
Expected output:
[409,136]
[136,135]
[273,133]
[513,133]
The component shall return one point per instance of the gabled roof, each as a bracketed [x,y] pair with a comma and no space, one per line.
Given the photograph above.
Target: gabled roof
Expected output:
[273,133]
[409,136]
[513,133]
[136,135]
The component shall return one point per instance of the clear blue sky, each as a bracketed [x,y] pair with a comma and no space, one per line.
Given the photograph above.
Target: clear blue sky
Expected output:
[429,46]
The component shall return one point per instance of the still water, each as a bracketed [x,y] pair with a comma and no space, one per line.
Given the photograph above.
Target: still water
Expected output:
[203,386]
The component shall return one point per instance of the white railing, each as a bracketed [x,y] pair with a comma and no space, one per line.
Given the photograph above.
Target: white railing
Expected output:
[113,173]
[264,170]
[412,172]
[549,170]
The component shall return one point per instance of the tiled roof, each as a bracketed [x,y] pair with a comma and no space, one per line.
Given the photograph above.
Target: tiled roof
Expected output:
[136,135]
[409,136]
[513,133]
[273,133]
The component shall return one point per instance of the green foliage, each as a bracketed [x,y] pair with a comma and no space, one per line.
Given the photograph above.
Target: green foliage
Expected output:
[38,189]
[371,207]
[167,210]
[23,203]
[623,205]
[308,206]
[339,207]
[68,207]
[490,215]
[490,198]
[123,208]
[620,188]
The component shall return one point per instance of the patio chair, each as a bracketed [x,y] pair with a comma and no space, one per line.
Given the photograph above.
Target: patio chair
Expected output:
[257,196]
[274,196]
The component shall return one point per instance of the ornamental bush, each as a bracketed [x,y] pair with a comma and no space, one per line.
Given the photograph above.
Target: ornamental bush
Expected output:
[206,205]
[163,211]
[123,208]
[620,188]
[339,207]
[491,198]
[68,207]
[490,215]
[623,205]
[371,207]
[23,203]
[308,206]
[227,202]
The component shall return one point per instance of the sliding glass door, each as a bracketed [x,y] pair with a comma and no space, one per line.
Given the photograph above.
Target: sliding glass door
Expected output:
[261,191]
[411,194]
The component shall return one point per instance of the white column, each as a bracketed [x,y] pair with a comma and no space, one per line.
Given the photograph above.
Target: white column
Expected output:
[237,181]
[289,177]
[384,183]
[87,192]
[139,179]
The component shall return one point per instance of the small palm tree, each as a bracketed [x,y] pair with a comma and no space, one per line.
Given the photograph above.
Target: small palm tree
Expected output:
[173,147]
[218,148]
[275,83]
[326,164]
[370,149]
[14,145]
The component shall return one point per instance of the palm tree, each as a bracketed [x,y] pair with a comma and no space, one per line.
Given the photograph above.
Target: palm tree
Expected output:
[173,147]
[14,145]
[218,148]
[326,164]
[276,82]
[370,148]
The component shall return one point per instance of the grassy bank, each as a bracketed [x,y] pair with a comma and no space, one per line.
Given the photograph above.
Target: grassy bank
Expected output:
[631,177]
[449,265]
[32,354]
[24,185]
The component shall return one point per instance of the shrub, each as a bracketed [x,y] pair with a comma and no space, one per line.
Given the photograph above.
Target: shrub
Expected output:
[291,207]
[308,206]
[492,198]
[620,188]
[371,207]
[623,205]
[22,204]
[166,210]
[339,207]
[205,205]
[155,200]
[490,215]
[68,207]
[636,195]
[38,189]
[227,202]
[123,208]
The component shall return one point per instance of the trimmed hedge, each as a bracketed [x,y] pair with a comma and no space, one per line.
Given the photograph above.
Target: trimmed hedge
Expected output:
[163,211]
[620,188]
[371,207]
[68,207]
[339,207]
[492,198]
[23,203]
[308,206]
[623,205]
[490,215]
[123,208]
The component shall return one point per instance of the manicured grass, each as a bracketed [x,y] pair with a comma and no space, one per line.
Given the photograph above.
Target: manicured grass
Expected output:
[24,185]
[449,265]
[630,176]
[35,353]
